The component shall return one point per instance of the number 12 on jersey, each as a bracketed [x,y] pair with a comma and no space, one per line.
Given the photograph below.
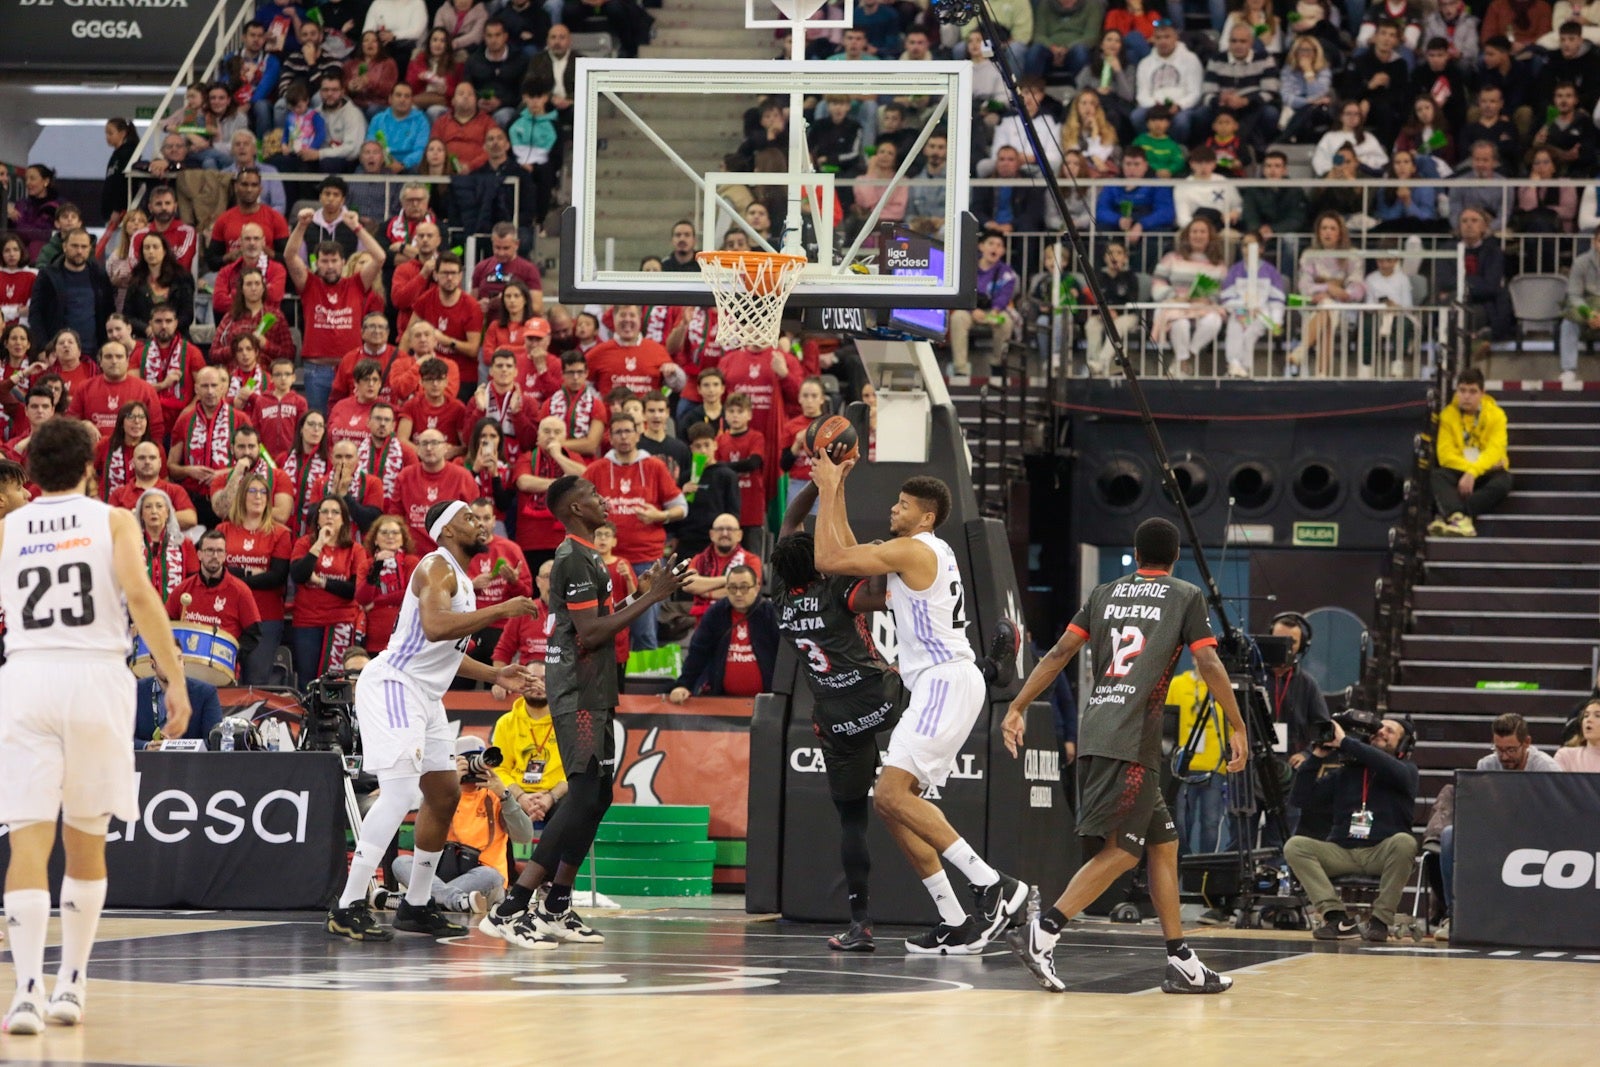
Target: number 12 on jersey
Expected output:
[1126,644]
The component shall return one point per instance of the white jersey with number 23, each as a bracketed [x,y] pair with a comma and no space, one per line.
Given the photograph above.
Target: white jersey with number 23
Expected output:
[930,624]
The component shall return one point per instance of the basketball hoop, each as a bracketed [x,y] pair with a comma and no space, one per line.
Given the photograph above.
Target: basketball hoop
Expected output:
[751,289]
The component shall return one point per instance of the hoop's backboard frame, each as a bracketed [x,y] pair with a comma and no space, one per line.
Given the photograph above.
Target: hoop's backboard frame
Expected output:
[607,83]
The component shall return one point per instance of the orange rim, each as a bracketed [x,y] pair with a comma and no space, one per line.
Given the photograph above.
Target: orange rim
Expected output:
[750,261]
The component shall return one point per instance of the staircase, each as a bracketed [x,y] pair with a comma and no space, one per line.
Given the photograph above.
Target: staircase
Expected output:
[641,193]
[1518,603]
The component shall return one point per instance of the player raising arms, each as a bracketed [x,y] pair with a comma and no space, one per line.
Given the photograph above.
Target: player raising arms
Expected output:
[71,571]
[948,693]
[581,679]
[405,738]
[1136,626]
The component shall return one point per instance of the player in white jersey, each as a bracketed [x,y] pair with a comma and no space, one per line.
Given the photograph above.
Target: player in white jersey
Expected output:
[948,693]
[71,571]
[405,738]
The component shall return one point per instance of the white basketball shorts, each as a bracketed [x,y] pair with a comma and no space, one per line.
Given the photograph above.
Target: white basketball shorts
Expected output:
[946,701]
[402,730]
[66,738]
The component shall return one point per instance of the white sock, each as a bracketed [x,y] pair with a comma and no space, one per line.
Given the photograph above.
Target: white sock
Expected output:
[378,828]
[944,898]
[969,863]
[27,922]
[424,865]
[81,904]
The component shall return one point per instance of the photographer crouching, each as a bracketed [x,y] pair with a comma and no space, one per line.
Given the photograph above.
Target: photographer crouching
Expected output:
[1373,797]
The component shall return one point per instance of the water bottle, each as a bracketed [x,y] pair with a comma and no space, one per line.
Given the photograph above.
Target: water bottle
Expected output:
[227,735]
[271,730]
[1283,880]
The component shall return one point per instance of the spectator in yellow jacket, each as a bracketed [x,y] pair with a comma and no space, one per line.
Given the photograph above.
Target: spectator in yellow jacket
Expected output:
[1472,475]
[527,741]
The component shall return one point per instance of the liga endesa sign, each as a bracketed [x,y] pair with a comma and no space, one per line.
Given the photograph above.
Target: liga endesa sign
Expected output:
[103,35]
[1527,860]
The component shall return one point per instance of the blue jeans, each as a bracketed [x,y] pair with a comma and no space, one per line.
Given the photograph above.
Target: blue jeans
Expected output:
[1447,866]
[1041,60]
[642,634]
[448,895]
[1135,47]
[306,642]
[319,385]
[1203,821]
[258,667]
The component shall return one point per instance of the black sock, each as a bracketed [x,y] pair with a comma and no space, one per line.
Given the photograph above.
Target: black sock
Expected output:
[516,902]
[859,909]
[1179,948]
[1334,917]
[558,900]
[1052,921]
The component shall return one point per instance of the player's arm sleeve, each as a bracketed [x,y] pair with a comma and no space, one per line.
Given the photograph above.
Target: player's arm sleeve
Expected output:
[1080,622]
[1197,624]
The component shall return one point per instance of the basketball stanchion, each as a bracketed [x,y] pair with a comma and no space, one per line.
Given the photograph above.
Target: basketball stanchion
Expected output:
[751,289]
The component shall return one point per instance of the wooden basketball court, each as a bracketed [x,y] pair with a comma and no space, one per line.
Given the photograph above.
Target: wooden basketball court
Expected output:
[713,986]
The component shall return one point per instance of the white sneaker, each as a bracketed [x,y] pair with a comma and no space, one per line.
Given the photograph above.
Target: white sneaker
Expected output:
[567,926]
[1036,949]
[24,1017]
[1569,377]
[66,1003]
[521,930]
[1238,370]
[1192,976]
[1397,368]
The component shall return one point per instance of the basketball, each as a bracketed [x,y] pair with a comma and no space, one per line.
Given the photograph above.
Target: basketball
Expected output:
[835,434]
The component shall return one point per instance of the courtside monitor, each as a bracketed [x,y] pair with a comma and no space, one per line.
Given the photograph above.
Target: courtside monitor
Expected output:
[918,255]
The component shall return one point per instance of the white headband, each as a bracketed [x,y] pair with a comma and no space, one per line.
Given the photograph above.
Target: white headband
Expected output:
[456,507]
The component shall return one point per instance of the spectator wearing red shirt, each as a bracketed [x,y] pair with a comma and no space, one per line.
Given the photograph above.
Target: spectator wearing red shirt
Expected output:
[745,450]
[539,533]
[427,482]
[169,557]
[247,210]
[333,305]
[632,360]
[246,371]
[147,469]
[383,587]
[463,128]
[400,231]
[711,566]
[623,585]
[162,209]
[348,419]
[503,265]
[63,357]
[113,457]
[202,440]
[100,400]
[304,465]
[498,573]
[661,321]
[246,293]
[169,363]
[735,646]
[277,410]
[217,598]
[507,320]
[641,498]
[435,408]
[485,459]
[258,555]
[384,455]
[398,379]
[226,486]
[325,569]
[796,461]
[526,637]
[361,492]
[538,371]
[413,278]
[696,349]
[579,407]
[502,401]
[771,379]
[456,317]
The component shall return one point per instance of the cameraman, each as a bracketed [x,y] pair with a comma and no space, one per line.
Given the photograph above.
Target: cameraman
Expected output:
[473,870]
[1297,704]
[1373,798]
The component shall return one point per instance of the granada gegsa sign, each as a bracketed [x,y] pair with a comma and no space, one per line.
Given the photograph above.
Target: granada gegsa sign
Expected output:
[102,35]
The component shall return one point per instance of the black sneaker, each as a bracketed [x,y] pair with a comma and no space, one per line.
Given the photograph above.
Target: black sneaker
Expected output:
[947,940]
[1036,949]
[425,919]
[1000,666]
[997,905]
[856,939]
[1375,931]
[1192,976]
[1346,929]
[357,924]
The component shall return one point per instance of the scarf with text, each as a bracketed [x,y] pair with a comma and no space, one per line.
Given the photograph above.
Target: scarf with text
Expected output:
[114,475]
[153,363]
[210,438]
[577,414]
[385,463]
[164,563]
[303,472]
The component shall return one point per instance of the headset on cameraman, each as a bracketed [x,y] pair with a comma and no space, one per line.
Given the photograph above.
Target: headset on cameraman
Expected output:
[1301,623]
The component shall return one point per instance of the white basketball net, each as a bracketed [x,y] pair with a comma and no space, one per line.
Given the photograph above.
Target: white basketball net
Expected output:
[751,289]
